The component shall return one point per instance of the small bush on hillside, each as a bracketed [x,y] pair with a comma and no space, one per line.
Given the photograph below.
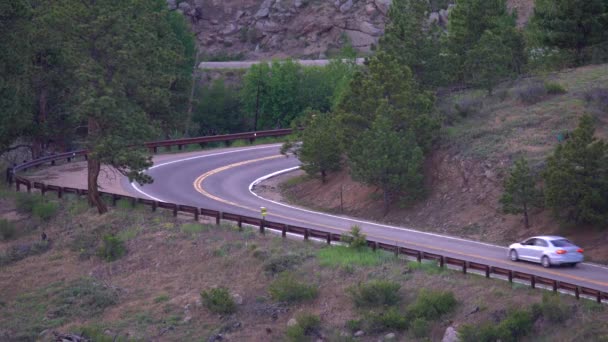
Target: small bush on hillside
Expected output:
[219,300]
[420,327]
[7,229]
[83,298]
[468,106]
[531,93]
[375,293]
[282,263]
[551,308]
[22,251]
[597,98]
[431,305]
[390,319]
[513,328]
[45,210]
[555,88]
[308,325]
[112,248]
[26,202]
[286,288]
[355,238]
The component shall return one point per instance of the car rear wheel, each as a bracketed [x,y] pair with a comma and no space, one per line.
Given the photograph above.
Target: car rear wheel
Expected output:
[513,255]
[545,261]
[573,264]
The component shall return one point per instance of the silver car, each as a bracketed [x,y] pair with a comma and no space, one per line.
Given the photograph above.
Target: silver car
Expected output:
[548,250]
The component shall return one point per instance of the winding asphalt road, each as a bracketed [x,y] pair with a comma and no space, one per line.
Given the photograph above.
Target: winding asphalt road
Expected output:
[223,180]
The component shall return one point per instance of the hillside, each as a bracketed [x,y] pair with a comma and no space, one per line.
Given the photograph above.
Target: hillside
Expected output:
[478,145]
[153,292]
[264,29]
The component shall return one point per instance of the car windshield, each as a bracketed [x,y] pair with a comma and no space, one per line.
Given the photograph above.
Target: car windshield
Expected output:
[562,243]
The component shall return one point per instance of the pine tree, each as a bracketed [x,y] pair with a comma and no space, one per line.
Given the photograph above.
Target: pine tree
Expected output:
[576,178]
[571,24]
[488,61]
[388,159]
[520,193]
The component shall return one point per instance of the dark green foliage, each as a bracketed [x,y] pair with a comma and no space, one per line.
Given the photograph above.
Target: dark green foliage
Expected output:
[218,300]
[320,151]
[355,238]
[82,298]
[414,42]
[22,251]
[218,110]
[573,25]
[513,328]
[308,325]
[282,263]
[375,293]
[551,308]
[286,288]
[26,202]
[520,193]
[112,248]
[388,159]
[95,333]
[555,88]
[576,178]
[488,61]
[390,319]
[431,305]
[45,210]
[420,327]
[7,229]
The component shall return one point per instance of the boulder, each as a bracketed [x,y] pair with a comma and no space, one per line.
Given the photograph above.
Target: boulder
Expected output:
[434,18]
[345,7]
[369,28]
[359,333]
[264,10]
[238,300]
[450,335]
[298,3]
[383,5]
[390,336]
[292,322]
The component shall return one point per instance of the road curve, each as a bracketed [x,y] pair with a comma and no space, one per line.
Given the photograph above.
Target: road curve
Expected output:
[221,181]
[248,64]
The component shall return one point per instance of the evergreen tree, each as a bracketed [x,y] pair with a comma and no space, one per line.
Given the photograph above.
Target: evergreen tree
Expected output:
[576,178]
[15,69]
[388,159]
[255,92]
[520,193]
[410,38]
[218,111]
[571,24]
[488,61]
[320,151]
[125,56]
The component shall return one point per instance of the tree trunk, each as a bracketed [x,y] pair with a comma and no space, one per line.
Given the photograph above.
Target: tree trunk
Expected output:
[191,97]
[526,221]
[93,168]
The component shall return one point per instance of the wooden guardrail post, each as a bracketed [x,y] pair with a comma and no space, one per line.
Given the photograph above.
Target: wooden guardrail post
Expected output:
[9,175]
[577,292]
[284,230]
[510,276]
[555,285]
[598,297]
[154,205]
[533,281]
[464,267]
[329,238]
[375,246]
[488,269]
[441,261]
[239,223]
[306,233]
[397,250]
[175,206]
[262,231]
[419,256]
[196,214]
[42,189]
[133,201]
[29,186]
[217,218]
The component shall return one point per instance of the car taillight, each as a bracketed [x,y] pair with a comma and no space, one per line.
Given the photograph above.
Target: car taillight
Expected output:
[580,250]
[560,251]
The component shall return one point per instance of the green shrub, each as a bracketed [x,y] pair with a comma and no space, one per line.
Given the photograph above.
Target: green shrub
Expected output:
[431,305]
[354,325]
[7,229]
[308,325]
[83,298]
[45,210]
[22,251]
[513,328]
[355,238]
[282,263]
[390,319]
[193,228]
[25,203]
[420,327]
[375,293]
[551,308]
[343,256]
[112,248]
[286,288]
[555,88]
[483,333]
[219,300]
[531,93]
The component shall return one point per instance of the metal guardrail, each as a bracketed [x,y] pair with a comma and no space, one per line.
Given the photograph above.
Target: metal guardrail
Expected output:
[284,229]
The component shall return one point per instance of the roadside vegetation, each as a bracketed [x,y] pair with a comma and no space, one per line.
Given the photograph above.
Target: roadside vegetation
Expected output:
[179,280]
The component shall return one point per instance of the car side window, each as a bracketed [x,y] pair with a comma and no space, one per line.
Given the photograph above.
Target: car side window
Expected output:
[541,243]
[529,242]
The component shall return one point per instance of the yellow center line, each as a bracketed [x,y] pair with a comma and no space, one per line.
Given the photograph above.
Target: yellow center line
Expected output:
[198,186]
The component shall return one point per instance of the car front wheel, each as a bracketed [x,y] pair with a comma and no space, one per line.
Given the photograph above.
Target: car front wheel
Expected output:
[545,261]
[513,255]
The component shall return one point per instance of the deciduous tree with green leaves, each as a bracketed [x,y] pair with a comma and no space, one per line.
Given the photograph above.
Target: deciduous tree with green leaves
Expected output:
[126,58]
[520,192]
[576,178]
[572,25]
[388,159]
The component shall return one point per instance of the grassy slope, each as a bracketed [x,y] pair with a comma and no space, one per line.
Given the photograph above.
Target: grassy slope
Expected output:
[153,292]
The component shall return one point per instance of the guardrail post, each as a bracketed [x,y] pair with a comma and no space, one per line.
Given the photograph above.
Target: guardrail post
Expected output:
[306,233]
[154,205]
[60,192]
[397,249]
[419,256]
[284,230]
[464,267]
[196,213]
[510,276]
[441,261]
[375,246]
[488,271]
[133,201]
[217,218]
[555,285]
[114,200]
[179,147]
[262,231]
[29,187]
[175,206]
[533,282]
[329,238]
[599,297]
[9,175]
[17,187]
[239,223]
[42,189]
[577,292]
